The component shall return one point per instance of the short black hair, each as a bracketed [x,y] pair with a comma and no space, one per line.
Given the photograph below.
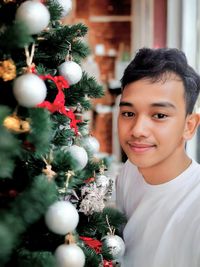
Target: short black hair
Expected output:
[154,63]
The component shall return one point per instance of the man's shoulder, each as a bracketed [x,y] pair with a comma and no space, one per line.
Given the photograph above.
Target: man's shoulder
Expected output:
[195,169]
[128,172]
[127,169]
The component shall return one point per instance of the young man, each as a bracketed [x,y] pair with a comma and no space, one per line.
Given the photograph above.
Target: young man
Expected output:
[159,185]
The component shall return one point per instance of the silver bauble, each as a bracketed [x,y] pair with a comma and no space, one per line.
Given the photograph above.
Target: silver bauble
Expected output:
[79,154]
[71,71]
[34,15]
[29,90]
[62,217]
[91,144]
[69,256]
[115,244]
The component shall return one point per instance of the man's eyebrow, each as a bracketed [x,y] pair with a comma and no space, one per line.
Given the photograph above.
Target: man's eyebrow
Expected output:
[123,103]
[156,104]
[163,104]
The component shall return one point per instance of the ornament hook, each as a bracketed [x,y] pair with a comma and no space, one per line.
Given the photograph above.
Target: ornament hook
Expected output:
[29,56]
[111,228]
[69,52]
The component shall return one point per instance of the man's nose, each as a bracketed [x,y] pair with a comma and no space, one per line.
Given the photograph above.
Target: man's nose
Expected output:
[140,127]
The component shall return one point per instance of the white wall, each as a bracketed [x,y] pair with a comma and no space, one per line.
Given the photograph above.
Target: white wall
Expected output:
[183,32]
[142,24]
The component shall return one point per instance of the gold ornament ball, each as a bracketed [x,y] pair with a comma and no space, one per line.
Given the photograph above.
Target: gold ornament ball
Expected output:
[7,70]
[17,125]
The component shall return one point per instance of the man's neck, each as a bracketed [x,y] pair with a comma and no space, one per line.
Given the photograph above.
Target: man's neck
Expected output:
[165,172]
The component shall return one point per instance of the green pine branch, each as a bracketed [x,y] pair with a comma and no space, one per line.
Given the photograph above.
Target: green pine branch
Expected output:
[28,207]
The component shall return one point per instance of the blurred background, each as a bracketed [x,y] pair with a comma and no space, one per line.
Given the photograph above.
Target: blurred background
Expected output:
[117,29]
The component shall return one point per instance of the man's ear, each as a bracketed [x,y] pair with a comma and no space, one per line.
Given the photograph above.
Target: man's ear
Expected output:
[191,125]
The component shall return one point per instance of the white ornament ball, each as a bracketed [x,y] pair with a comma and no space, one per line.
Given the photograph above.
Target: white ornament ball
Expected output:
[91,144]
[29,90]
[35,16]
[115,244]
[66,6]
[62,217]
[71,71]
[69,256]
[79,154]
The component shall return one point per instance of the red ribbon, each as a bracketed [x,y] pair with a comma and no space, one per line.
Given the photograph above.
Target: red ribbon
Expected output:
[107,263]
[59,101]
[89,180]
[92,243]
[97,246]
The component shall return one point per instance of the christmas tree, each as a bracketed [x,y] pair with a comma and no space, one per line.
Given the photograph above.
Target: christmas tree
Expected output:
[53,186]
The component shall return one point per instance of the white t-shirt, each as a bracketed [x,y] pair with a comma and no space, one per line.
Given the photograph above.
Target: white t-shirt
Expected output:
[163,228]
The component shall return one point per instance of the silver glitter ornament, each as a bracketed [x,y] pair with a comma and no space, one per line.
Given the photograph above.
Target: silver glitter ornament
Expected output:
[102,181]
[115,245]
[79,154]
[91,144]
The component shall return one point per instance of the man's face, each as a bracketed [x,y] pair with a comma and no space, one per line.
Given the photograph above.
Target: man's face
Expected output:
[152,121]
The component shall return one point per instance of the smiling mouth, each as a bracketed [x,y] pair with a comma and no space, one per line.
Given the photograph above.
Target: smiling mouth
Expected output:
[137,147]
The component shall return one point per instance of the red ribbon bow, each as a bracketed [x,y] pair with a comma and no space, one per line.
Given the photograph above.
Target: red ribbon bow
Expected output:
[92,243]
[89,180]
[107,263]
[59,101]
[97,246]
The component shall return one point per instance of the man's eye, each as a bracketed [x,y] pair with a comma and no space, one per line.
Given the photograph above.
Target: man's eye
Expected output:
[127,114]
[160,116]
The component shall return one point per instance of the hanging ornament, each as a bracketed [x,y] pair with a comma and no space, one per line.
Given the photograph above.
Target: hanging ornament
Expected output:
[62,217]
[102,180]
[64,189]
[34,15]
[66,6]
[69,256]
[7,70]
[79,154]
[29,90]
[113,243]
[16,125]
[92,199]
[50,174]
[70,70]
[91,144]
